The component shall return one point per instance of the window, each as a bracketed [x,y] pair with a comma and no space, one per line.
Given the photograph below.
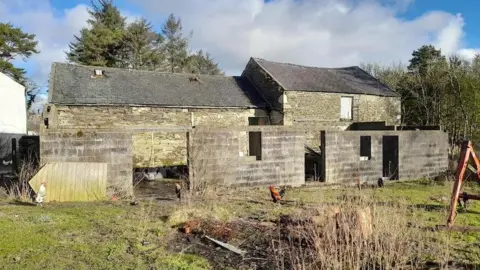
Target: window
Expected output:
[255,144]
[346,105]
[365,147]
[257,121]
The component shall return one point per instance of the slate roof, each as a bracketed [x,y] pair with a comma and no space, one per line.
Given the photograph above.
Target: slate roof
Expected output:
[351,80]
[74,85]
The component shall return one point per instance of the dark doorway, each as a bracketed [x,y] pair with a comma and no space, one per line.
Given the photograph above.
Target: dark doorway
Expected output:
[390,157]
[255,144]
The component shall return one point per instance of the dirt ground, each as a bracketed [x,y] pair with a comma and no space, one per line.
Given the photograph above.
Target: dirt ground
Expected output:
[244,234]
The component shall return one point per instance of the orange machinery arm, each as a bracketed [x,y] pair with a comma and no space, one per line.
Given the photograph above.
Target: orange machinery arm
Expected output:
[466,152]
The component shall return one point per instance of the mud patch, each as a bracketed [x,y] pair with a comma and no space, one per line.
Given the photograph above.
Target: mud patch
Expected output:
[158,190]
[253,238]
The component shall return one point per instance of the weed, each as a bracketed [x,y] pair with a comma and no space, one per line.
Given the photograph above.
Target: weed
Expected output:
[359,234]
[19,189]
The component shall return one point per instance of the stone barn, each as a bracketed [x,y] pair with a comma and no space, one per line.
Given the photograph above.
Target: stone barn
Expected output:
[158,108]
[324,110]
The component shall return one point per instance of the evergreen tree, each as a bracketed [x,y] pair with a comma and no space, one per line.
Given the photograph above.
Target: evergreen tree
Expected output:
[14,43]
[176,45]
[101,44]
[109,42]
[203,63]
[142,46]
[423,57]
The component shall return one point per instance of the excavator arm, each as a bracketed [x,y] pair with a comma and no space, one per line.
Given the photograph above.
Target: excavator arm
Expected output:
[463,163]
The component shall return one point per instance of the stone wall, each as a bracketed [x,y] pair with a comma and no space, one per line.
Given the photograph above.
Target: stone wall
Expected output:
[268,88]
[113,148]
[159,134]
[314,111]
[420,154]
[216,156]
[323,109]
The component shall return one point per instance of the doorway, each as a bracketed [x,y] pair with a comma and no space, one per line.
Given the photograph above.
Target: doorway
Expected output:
[390,157]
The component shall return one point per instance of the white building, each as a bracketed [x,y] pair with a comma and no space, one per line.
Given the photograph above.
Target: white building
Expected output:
[13,107]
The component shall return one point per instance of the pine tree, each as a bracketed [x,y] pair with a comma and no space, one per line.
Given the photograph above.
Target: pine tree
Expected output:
[101,44]
[423,57]
[142,46]
[14,43]
[176,45]
[203,63]
[110,42]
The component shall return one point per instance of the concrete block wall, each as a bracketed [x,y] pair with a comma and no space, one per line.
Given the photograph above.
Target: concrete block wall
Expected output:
[164,143]
[421,154]
[113,148]
[216,156]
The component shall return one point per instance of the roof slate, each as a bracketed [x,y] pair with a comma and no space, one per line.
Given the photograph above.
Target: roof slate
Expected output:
[75,84]
[351,80]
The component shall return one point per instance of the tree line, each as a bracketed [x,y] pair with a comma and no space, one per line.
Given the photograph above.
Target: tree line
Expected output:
[436,90]
[112,42]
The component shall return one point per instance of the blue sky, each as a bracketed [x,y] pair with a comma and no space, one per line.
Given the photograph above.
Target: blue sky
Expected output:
[327,33]
[468,8]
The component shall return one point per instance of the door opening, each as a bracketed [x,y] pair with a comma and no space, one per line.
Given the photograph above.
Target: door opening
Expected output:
[390,157]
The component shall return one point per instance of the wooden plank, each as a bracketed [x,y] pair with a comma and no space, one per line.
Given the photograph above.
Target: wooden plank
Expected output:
[72,181]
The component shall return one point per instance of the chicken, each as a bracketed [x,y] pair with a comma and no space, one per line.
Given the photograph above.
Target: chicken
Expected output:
[6,163]
[41,193]
[178,190]
[276,195]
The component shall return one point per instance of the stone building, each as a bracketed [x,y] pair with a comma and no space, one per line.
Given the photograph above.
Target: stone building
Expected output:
[315,99]
[162,112]
[159,108]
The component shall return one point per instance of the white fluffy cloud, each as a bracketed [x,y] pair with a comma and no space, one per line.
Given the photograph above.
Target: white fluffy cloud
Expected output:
[53,31]
[311,32]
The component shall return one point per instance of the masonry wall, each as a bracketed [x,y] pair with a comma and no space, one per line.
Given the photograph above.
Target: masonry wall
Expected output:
[268,88]
[314,111]
[159,134]
[113,148]
[217,157]
[421,154]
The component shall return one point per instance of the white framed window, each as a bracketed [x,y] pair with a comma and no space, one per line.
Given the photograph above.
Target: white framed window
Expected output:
[346,108]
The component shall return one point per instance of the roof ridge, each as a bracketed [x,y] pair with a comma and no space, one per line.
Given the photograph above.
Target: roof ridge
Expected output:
[304,66]
[139,70]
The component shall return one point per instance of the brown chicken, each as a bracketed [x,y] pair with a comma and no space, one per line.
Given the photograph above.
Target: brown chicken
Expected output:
[276,195]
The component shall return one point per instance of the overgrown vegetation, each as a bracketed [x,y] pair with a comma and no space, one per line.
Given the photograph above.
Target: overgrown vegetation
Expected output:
[115,234]
[436,90]
[19,189]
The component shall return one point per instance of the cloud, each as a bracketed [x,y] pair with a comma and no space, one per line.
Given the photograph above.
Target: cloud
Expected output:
[54,29]
[53,32]
[311,32]
[469,54]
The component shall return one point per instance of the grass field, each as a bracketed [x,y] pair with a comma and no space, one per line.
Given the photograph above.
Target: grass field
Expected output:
[117,235]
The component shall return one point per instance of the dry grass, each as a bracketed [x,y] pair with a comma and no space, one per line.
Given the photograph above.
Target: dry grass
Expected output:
[108,235]
[19,189]
[362,234]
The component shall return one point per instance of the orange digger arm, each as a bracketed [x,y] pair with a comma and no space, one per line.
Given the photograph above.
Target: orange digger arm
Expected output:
[466,152]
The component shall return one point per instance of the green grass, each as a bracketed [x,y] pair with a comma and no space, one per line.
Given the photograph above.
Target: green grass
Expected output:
[111,235]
